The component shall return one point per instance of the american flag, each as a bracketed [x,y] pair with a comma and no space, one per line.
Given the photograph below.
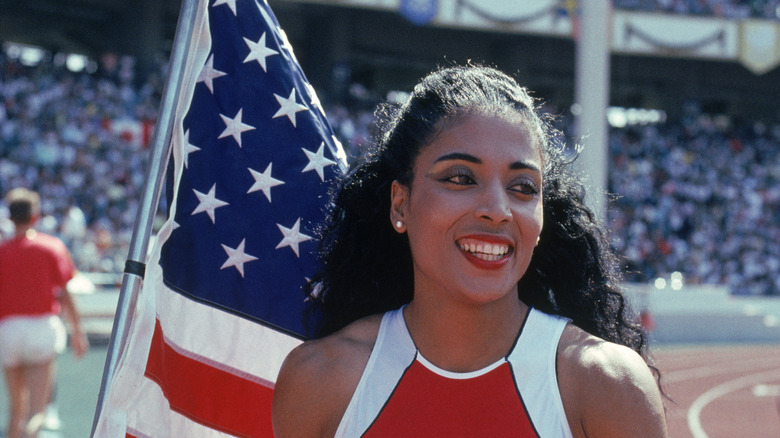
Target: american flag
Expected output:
[222,300]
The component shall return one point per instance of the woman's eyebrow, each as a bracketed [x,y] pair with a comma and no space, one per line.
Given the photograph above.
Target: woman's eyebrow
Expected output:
[459,156]
[522,165]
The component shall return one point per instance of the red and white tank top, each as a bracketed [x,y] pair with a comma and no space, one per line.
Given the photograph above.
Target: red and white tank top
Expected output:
[401,394]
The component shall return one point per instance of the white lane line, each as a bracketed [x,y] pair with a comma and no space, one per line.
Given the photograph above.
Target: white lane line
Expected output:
[712,370]
[763,390]
[694,412]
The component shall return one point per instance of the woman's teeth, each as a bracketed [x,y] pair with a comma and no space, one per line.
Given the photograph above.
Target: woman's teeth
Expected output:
[486,251]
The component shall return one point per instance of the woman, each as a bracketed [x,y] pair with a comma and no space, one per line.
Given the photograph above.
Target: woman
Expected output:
[466,290]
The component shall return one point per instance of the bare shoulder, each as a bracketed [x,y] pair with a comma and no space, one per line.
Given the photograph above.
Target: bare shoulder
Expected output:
[607,389]
[318,378]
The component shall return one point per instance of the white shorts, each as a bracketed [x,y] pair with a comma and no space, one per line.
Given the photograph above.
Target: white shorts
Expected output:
[26,340]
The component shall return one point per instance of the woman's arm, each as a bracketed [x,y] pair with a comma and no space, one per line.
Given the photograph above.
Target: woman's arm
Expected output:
[608,390]
[317,380]
[298,410]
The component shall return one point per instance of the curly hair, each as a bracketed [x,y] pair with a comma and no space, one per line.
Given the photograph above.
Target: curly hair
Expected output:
[367,266]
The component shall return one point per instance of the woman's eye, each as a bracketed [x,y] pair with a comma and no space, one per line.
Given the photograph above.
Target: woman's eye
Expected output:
[460,179]
[526,188]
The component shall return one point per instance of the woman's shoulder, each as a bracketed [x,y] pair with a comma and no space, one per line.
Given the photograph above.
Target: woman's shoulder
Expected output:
[607,389]
[584,352]
[329,369]
[339,351]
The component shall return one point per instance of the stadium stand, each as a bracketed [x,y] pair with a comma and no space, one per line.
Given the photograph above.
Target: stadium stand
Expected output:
[78,139]
[699,196]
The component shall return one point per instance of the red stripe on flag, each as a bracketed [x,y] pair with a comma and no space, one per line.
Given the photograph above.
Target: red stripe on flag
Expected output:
[207,395]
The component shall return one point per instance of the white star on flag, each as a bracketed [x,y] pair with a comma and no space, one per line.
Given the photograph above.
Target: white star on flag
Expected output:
[317,161]
[264,181]
[208,74]
[188,149]
[230,3]
[234,127]
[237,257]
[288,107]
[208,202]
[258,51]
[292,237]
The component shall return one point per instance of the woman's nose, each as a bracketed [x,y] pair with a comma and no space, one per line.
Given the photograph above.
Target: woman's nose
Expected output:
[494,204]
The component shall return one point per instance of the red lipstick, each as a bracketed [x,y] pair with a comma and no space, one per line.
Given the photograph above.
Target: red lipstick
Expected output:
[486,251]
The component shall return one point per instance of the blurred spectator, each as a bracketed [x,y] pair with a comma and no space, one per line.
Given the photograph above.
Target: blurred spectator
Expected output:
[35,269]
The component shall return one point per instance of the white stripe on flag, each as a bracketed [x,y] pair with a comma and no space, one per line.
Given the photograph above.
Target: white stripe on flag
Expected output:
[152,417]
[193,323]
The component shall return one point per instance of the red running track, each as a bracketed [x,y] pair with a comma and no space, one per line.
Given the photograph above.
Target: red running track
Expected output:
[721,391]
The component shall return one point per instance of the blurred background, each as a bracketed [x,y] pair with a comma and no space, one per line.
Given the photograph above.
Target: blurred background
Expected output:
[692,121]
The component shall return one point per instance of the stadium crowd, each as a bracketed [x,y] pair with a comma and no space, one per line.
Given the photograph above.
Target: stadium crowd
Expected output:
[700,195]
[77,139]
[734,9]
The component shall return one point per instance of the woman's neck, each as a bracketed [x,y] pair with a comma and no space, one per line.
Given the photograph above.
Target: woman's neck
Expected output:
[463,338]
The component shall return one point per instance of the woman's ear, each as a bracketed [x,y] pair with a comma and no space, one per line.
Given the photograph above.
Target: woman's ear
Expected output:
[399,196]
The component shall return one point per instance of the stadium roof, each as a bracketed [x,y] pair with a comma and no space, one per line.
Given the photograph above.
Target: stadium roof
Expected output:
[82,26]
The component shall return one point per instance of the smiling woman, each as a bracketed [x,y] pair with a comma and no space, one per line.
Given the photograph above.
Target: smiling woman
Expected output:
[466,289]
[476,187]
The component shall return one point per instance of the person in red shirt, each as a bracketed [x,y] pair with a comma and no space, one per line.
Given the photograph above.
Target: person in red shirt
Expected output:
[34,271]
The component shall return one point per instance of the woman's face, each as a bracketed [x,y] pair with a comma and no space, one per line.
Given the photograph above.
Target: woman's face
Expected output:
[473,212]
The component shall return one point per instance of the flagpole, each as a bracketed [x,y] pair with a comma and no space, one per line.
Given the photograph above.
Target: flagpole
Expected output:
[160,152]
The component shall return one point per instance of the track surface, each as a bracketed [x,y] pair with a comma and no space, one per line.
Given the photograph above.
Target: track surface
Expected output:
[722,391]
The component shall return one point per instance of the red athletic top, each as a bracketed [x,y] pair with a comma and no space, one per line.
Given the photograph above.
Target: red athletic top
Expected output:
[33,269]
[430,405]
[401,394]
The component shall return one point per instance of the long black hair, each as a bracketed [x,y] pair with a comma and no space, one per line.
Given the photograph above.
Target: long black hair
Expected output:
[367,266]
